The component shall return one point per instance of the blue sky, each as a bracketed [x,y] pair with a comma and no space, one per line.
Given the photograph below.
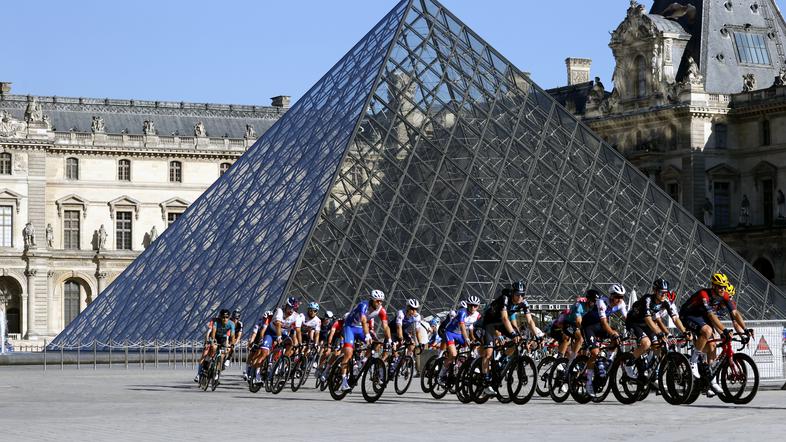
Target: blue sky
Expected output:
[245,52]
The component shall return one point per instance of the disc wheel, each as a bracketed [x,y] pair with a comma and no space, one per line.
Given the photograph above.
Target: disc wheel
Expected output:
[675,380]
[558,381]
[577,380]
[372,380]
[427,375]
[624,387]
[334,382]
[522,380]
[543,372]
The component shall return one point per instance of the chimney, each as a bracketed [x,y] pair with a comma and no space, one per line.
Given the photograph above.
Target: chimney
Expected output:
[578,70]
[281,101]
[5,87]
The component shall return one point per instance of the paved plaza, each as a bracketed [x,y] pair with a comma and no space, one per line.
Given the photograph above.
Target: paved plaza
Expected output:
[156,404]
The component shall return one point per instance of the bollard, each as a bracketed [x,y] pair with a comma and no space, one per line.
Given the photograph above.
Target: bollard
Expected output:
[142,355]
[156,353]
[125,346]
[95,355]
[169,356]
[44,354]
[110,352]
[61,357]
[78,354]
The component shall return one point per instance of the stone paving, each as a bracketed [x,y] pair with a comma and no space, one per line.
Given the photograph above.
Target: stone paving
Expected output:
[165,404]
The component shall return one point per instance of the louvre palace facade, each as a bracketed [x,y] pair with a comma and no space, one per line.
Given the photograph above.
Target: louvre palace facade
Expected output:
[87,184]
[698,103]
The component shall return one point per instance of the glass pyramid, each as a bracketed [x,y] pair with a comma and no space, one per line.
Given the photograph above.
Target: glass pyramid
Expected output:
[426,165]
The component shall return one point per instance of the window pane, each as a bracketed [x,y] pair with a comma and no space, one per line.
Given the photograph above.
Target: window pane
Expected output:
[722,204]
[70,301]
[224,167]
[171,218]
[175,172]
[6,226]
[71,230]
[5,164]
[124,170]
[72,169]
[123,231]
[751,48]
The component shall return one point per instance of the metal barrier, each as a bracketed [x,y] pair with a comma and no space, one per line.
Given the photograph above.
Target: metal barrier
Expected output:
[766,349]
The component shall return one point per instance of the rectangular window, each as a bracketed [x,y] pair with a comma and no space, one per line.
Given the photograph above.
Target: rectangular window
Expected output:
[71,230]
[171,218]
[123,231]
[722,203]
[674,191]
[721,136]
[5,164]
[6,226]
[124,170]
[766,201]
[751,48]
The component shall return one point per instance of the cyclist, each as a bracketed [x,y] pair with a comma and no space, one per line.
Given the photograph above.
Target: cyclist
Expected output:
[256,354]
[645,320]
[434,340]
[595,325]
[284,320]
[357,324]
[312,324]
[458,333]
[405,324]
[235,318]
[206,348]
[700,315]
[222,332]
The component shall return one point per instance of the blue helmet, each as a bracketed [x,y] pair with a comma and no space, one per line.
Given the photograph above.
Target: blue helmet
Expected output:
[313,306]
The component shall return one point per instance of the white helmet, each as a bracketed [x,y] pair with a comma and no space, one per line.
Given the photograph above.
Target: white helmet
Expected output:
[463,304]
[411,303]
[377,295]
[329,314]
[473,300]
[617,289]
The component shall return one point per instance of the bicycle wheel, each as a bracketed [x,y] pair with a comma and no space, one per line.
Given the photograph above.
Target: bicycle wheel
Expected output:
[507,373]
[740,379]
[675,380]
[602,384]
[543,372]
[558,380]
[577,380]
[523,380]
[403,376]
[428,374]
[463,380]
[436,389]
[625,388]
[204,378]
[475,382]
[334,382]
[298,374]
[371,384]
[280,374]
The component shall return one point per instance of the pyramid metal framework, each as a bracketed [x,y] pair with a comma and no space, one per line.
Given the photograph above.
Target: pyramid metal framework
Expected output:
[426,165]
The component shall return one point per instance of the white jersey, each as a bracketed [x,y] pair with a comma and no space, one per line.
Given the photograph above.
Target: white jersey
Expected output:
[313,324]
[470,320]
[664,313]
[293,321]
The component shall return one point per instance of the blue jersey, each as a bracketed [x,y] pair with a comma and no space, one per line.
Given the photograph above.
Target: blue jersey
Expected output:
[223,331]
[454,325]
[353,320]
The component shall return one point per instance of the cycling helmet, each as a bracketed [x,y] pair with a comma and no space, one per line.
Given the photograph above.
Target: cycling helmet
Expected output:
[293,302]
[223,312]
[720,279]
[434,321]
[236,314]
[413,303]
[313,306]
[267,314]
[473,300]
[731,290]
[671,296]
[617,289]
[329,314]
[660,284]
[592,294]
[378,295]
[463,304]
[519,287]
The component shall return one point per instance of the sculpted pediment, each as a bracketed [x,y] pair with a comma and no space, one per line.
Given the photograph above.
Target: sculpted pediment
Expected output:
[11,127]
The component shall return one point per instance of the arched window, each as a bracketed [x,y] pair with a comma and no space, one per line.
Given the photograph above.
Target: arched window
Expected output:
[5,163]
[641,77]
[175,172]
[766,135]
[764,266]
[11,296]
[72,168]
[124,170]
[223,168]
[71,292]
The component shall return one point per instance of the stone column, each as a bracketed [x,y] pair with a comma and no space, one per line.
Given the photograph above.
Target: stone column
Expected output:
[51,320]
[101,276]
[31,329]
[23,319]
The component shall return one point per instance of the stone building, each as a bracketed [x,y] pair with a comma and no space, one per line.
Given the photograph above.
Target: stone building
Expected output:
[699,104]
[87,184]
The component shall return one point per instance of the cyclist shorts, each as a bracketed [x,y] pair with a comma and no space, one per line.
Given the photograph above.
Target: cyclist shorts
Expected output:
[556,334]
[640,330]
[489,333]
[593,334]
[693,323]
[351,334]
[455,338]
[267,342]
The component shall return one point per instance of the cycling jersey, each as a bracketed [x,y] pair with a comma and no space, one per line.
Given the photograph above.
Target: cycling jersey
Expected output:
[325,331]
[222,331]
[291,322]
[648,306]
[314,323]
[704,302]
[408,324]
[601,310]
[260,325]
[577,310]
[362,309]
[238,327]
[493,313]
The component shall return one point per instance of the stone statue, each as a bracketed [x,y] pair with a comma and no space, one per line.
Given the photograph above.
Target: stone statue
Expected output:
[29,235]
[8,125]
[47,122]
[33,111]
[97,125]
[707,212]
[598,92]
[694,74]
[153,234]
[745,211]
[748,82]
[199,129]
[148,127]
[251,134]
[781,205]
[102,238]
[50,236]
[780,79]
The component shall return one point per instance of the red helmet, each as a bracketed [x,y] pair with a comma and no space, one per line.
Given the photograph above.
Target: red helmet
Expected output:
[671,296]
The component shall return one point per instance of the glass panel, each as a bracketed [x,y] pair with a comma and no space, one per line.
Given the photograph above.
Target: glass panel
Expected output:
[751,48]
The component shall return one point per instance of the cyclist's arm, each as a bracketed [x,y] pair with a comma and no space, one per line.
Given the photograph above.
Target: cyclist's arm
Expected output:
[400,331]
[715,322]
[237,337]
[506,322]
[531,324]
[464,332]
[251,339]
[678,323]
[736,319]
[386,328]
[652,324]
[604,322]
[278,329]
[364,323]
[298,335]
[330,334]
